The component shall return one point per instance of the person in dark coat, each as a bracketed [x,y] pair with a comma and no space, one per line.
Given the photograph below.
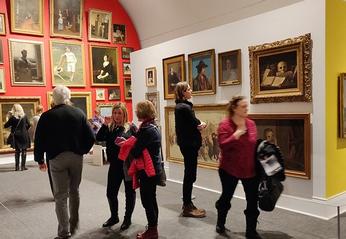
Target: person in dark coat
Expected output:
[189,139]
[20,125]
[113,128]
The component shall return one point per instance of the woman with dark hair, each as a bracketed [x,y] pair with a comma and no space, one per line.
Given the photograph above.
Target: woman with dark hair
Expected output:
[189,139]
[148,137]
[107,73]
[117,126]
[20,125]
[237,136]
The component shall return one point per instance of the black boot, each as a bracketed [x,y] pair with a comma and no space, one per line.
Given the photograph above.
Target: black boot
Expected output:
[251,224]
[23,160]
[221,218]
[114,219]
[16,157]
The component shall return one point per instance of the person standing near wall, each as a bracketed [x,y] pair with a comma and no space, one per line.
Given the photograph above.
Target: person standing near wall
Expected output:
[189,139]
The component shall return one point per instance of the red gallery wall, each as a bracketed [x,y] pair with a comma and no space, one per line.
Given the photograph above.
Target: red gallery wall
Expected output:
[119,16]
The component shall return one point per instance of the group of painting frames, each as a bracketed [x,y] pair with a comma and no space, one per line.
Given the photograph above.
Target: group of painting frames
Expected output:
[291,132]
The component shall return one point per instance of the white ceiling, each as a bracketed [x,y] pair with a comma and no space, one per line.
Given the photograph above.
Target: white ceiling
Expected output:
[157,21]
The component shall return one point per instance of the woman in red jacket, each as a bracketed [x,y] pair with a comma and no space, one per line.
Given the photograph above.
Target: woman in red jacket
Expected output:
[237,140]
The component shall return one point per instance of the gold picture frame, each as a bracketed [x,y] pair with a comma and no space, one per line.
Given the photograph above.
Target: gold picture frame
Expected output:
[100,25]
[27,16]
[212,115]
[119,34]
[29,105]
[2,24]
[150,76]
[154,97]
[100,94]
[202,78]
[342,105]
[105,109]
[230,68]
[128,89]
[81,100]
[66,18]
[2,80]
[292,133]
[173,72]
[281,71]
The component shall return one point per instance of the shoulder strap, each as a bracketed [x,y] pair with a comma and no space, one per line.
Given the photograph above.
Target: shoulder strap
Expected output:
[17,124]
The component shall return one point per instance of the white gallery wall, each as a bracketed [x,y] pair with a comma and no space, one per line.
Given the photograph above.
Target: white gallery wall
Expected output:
[297,19]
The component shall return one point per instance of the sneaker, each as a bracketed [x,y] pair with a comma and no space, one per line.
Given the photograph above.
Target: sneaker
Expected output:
[192,211]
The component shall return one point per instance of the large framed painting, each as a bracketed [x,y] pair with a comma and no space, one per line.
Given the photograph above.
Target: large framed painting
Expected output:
[154,98]
[173,72]
[119,34]
[29,105]
[66,18]
[128,89]
[209,152]
[202,72]
[100,25]
[2,81]
[281,71]
[81,100]
[230,68]
[27,16]
[2,24]
[104,65]
[342,105]
[105,109]
[27,62]
[67,59]
[292,133]
[150,76]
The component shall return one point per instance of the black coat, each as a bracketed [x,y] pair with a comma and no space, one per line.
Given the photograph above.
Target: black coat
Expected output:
[19,128]
[186,124]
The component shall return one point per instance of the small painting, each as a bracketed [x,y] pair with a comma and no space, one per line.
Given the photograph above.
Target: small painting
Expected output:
[127,89]
[2,24]
[173,72]
[125,52]
[119,34]
[100,94]
[230,68]
[150,76]
[114,93]
[126,69]
[100,25]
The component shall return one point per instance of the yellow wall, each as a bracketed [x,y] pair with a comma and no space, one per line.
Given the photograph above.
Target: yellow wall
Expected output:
[335,64]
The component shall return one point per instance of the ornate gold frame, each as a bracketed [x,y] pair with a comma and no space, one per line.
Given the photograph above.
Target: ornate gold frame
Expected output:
[237,55]
[179,59]
[3,25]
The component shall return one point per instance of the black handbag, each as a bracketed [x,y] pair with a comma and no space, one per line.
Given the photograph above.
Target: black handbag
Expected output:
[162,177]
[269,191]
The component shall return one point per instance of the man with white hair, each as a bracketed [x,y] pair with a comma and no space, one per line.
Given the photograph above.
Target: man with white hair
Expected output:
[64,134]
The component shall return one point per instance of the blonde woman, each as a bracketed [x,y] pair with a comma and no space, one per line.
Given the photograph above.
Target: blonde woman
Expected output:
[19,124]
[117,127]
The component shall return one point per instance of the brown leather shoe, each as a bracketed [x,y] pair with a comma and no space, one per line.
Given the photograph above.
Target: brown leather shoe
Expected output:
[192,211]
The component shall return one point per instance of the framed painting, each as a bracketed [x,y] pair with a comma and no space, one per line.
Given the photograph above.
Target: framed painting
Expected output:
[209,152]
[154,98]
[125,52]
[126,69]
[230,68]
[100,25]
[150,76]
[1,53]
[100,94]
[27,62]
[292,133]
[127,89]
[27,16]
[29,105]
[342,105]
[104,65]
[173,72]
[81,100]
[119,34]
[2,24]
[281,71]
[202,72]
[105,109]
[66,18]
[114,93]
[67,59]
[2,81]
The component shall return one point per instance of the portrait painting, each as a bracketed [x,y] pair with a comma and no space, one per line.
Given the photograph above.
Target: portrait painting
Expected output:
[125,52]
[114,93]
[126,69]
[208,155]
[27,62]
[119,34]
[100,94]
[202,72]
[1,53]
[150,76]
[105,109]
[66,18]
[173,72]
[104,65]
[100,25]
[27,16]
[291,132]
[127,89]
[2,81]
[281,71]
[29,105]
[2,24]
[154,98]
[67,59]
[342,105]
[230,68]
